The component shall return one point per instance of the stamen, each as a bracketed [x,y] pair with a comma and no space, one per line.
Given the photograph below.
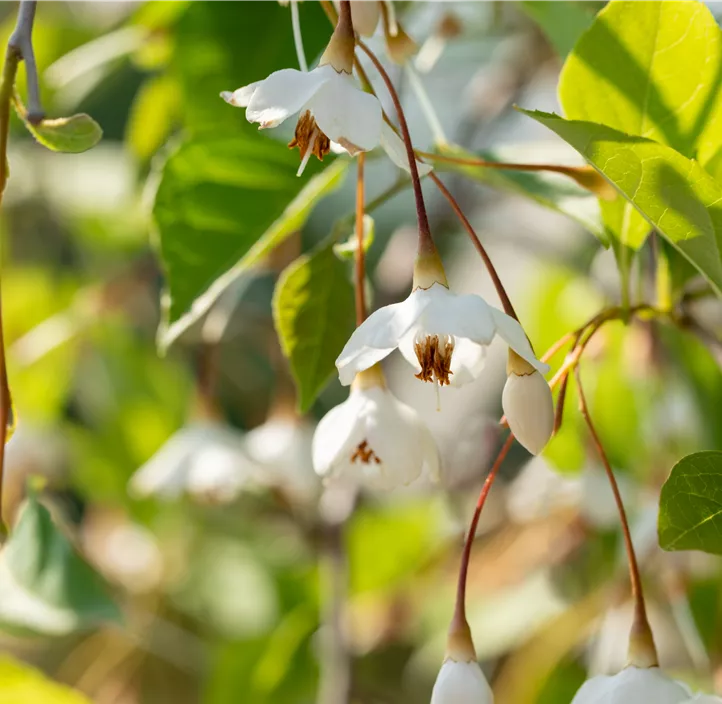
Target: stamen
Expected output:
[434,354]
[365,454]
[297,39]
[309,151]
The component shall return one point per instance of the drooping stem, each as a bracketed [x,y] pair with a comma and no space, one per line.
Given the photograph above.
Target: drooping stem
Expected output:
[19,47]
[360,256]
[297,37]
[460,608]
[500,290]
[642,651]
[426,242]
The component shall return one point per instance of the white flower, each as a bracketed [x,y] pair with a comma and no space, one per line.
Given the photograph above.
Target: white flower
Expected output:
[282,447]
[633,685]
[332,108]
[461,683]
[528,405]
[395,148]
[204,459]
[441,334]
[372,439]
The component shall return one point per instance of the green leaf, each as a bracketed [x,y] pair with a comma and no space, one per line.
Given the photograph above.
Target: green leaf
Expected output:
[222,204]
[562,23]
[21,683]
[690,505]
[67,134]
[553,191]
[674,194]
[313,310]
[45,587]
[650,69]
[152,116]
[347,249]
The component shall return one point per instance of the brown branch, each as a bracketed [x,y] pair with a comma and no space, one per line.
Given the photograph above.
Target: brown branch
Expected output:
[360,255]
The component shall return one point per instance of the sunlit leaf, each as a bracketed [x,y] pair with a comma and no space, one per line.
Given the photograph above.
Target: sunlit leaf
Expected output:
[152,115]
[690,505]
[650,69]
[45,587]
[673,194]
[67,134]
[562,23]
[222,204]
[347,249]
[21,683]
[313,309]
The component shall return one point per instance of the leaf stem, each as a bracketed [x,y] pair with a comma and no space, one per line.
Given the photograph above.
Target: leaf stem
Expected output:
[360,255]
[426,242]
[500,290]
[642,651]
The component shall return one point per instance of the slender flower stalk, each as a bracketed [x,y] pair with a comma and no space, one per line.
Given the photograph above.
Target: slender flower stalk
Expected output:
[360,255]
[297,38]
[642,651]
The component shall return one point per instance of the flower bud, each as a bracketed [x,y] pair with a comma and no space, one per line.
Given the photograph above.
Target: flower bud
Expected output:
[461,683]
[633,685]
[365,14]
[528,405]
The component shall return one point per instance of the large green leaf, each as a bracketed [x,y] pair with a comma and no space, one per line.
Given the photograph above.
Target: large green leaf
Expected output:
[562,22]
[690,505]
[550,190]
[313,309]
[222,204]
[674,194]
[20,683]
[45,587]
[651,69]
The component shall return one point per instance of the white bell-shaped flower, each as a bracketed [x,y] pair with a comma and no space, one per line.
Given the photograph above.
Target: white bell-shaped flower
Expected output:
[372,439]
[528,405]
[633,685]
[205,459]
[443,335]
[461,683]
[282,448]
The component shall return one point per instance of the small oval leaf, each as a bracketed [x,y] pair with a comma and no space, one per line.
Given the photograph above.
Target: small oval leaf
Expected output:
[67,134]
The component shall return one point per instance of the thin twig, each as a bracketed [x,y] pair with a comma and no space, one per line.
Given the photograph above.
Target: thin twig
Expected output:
[500,290]
[425,239]
[640,630]
[21,41]
[460,609]
[360,255]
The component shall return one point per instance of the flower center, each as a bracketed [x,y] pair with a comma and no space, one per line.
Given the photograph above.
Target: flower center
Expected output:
[434,355]
[365,454]
[309,139]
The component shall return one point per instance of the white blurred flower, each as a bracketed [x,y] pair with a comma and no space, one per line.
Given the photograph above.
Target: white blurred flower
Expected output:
[366,15]
[528,405]
[372,439]
[633,685]
[205,459]
[443,335]
[461,683]
[704,699]
[282,448]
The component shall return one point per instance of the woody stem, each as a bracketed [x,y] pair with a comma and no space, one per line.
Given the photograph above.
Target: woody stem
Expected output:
[360,256]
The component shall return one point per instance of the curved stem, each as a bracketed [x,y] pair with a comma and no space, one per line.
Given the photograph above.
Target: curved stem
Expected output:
[426,242]
[460,608]
[500,290]
[360,256]
[641,640]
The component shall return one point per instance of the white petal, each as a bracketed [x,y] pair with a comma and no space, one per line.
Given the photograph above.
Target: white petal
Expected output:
[461,683]
[430,452]
[346,114]
[632,686]
[529,408]
[340,430]
[283,94]
[395,148]
[460,316]
[513,334]
[467,362]
[241,97]
[378,336]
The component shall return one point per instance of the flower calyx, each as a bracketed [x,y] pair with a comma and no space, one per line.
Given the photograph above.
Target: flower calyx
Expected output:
[428,270]
[340,50]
